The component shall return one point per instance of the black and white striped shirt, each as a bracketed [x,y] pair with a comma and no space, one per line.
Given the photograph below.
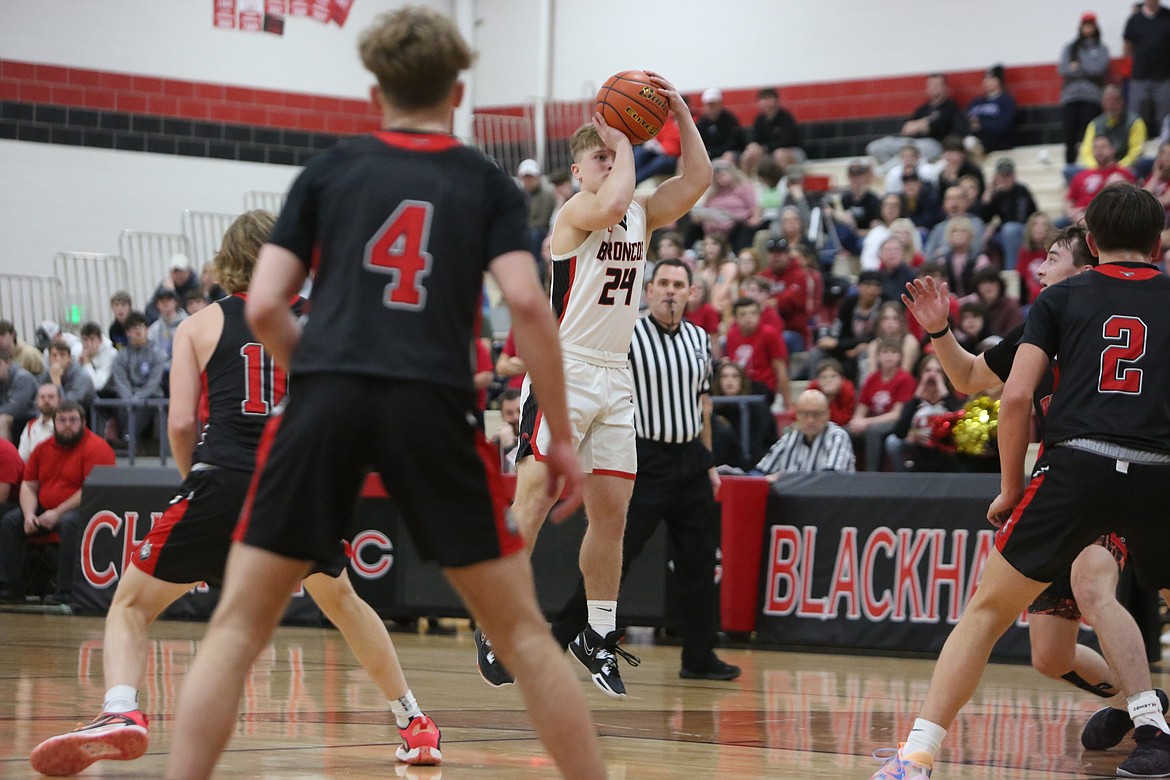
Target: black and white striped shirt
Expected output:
[832,450]
[671,373]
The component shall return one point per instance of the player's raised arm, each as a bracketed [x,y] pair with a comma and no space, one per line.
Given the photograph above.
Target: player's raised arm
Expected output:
[604,207]
[278,277]
[930,305]
[677,195]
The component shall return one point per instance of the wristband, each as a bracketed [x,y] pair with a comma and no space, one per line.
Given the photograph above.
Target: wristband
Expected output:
[939,334]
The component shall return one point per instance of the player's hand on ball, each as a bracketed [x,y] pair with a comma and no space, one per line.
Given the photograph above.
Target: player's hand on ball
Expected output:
[667,90]
[612,137]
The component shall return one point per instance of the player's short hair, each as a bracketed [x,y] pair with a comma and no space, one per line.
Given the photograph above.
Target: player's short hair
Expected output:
[236,257]
[1073,237]
[416,55]
[1124,217]
[672,262]
[585,138]
[91,329]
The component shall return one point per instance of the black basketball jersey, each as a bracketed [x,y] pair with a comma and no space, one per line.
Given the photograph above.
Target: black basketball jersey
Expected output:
[398,228]
[241,388]
[1111,329]
[1000,358]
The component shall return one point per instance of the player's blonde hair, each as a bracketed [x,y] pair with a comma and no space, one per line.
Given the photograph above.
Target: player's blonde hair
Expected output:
[584,139]
[236,257]
[416,54]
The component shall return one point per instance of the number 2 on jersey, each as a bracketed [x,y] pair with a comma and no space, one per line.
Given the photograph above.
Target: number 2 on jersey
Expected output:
[1115,377]
[619,279]
[265,383]
[399,248]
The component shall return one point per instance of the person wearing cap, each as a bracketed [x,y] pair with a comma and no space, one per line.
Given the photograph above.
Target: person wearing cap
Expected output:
[1084,67]
[181,279]
[1147,41]
[774,132]
[1008,204]
[789,294]
[992,115]
[932,121]
[541,202]
[721,131]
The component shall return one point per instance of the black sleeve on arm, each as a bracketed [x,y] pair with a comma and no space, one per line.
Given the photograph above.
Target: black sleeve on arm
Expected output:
[296,227]
[1042,328]
[999,358]
[507,229]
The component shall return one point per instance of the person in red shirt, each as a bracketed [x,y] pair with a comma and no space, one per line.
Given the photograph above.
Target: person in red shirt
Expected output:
[482,376]
[759,350]
[510,365]
[11,472]
[700,311]
[49,499]
[1090,181]
[842,394]
[789,292]
[882,396]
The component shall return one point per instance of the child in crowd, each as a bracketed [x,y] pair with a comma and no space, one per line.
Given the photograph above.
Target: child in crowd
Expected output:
[882,396]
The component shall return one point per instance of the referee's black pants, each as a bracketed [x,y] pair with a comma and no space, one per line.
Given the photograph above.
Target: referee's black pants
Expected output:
[673,486]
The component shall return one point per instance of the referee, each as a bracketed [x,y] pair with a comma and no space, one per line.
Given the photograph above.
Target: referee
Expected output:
[671,362]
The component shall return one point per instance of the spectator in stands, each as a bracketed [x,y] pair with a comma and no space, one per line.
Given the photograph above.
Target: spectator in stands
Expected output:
[771,192]
[921,199]
[790,292]
[49,500]
[1147,41]
[18,392]
[507,436]
[846,339]
[721,131]
[954,165]
[1084,66]
[893,270]
[181,280]
[992,115]
[905,231]
[893,207]
[759,350]
[195,301]
[955,204]
[961,259]
[1006,207]
[910,159]
[932,121]
[162,331]
[1033,253]
[541,202]
[73,381]
[939,274]
[669,246]
[1158,182]
[973,332]
[49,332]
[812,443]
[732,381]
[11,473]
[774,132]
[26,355]
[97,356]
[750,263]
[208,285]
[700,311]
[658,156]
[882,395]
[730,206]
[1125,130]
[892,326]
[1001,311]
[509,365]
[842,394]
[858,207]
[120,306]
[138,373]
[1090,181]
[562,184]
[759,289]
[40,427]
[912,446]
[717,267]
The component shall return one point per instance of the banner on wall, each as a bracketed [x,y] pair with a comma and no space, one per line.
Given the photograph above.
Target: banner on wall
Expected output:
[223,13]
[268,15]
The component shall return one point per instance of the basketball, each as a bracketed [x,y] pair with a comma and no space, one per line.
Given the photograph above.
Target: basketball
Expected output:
[631,103]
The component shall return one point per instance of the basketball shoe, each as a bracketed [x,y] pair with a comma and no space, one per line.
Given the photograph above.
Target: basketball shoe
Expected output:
[491,669]
[600,656]
[899,766]
[420,742]
[1151,757]
[116,736]
[1108,726]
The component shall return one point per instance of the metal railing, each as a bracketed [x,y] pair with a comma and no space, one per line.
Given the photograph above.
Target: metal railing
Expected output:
[133,408]
[742,401]
[204,230]
[26,301]
[269,201]
[148,260]
[89,279]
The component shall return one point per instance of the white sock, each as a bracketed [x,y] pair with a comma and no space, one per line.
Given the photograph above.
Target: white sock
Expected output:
[602,616]
[404,708]
[121,698]
[925,737]
[1117,701]
[1146,710]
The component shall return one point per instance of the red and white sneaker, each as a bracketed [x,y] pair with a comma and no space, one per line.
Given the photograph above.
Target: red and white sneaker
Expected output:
[114,736]
[420,742]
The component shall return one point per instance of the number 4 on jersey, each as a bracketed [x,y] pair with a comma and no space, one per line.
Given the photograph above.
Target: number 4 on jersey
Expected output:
[399,248]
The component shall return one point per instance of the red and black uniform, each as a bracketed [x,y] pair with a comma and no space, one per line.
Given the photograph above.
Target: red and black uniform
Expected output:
[1107,429]
[241,388]
[398,228]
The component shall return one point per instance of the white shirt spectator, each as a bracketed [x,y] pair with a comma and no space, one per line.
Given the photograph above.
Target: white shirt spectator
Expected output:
[36,431]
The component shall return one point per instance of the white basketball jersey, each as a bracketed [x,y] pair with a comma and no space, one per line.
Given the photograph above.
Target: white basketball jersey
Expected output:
[597,288]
